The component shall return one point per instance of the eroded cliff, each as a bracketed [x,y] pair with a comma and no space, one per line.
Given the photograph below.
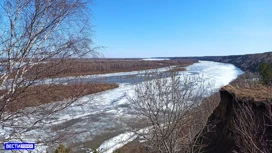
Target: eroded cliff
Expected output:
[241,122]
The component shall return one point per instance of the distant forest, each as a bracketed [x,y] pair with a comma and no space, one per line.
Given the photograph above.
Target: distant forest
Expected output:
[248,62]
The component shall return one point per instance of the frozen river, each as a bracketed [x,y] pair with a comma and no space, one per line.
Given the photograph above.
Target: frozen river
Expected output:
[102,117]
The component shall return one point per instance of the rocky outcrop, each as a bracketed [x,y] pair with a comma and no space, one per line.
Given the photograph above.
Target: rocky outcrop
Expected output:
[250,107]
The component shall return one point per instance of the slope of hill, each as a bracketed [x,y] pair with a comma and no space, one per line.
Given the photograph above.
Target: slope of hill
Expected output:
[248,62]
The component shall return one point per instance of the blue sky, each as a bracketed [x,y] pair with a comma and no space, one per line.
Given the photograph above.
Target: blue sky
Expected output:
[157,28]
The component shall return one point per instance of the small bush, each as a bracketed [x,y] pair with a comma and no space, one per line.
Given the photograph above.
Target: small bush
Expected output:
[63,149]
[265,71]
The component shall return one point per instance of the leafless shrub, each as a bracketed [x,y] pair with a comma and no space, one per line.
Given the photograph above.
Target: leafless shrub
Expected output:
[171,105]
[252,126]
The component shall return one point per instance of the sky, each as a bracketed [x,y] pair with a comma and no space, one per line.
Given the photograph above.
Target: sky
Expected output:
[172,28]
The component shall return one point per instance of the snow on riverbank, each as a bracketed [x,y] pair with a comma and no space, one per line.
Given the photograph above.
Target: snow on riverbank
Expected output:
[117,142]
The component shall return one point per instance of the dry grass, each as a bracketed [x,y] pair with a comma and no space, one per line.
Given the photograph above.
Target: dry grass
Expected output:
[42,94]
[65,68]
[245,88]
[257,93]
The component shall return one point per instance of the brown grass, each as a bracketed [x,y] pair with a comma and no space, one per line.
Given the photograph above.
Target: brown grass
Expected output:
[42,94]
[257,93]
[65,68]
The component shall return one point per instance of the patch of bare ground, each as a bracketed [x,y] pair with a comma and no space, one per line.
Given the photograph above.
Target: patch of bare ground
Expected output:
[42,94]
[177,69]
[133,147]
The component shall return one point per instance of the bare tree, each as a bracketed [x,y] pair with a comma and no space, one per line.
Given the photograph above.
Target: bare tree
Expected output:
[252,126]
[170,104]
[37,36]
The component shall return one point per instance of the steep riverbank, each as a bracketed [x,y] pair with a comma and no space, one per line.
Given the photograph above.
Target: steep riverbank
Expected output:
[240,123]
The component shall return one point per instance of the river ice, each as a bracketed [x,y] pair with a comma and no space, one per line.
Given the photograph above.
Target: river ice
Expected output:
[94,115]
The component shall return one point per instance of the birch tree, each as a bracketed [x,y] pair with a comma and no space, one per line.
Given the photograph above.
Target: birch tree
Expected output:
[35,36]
